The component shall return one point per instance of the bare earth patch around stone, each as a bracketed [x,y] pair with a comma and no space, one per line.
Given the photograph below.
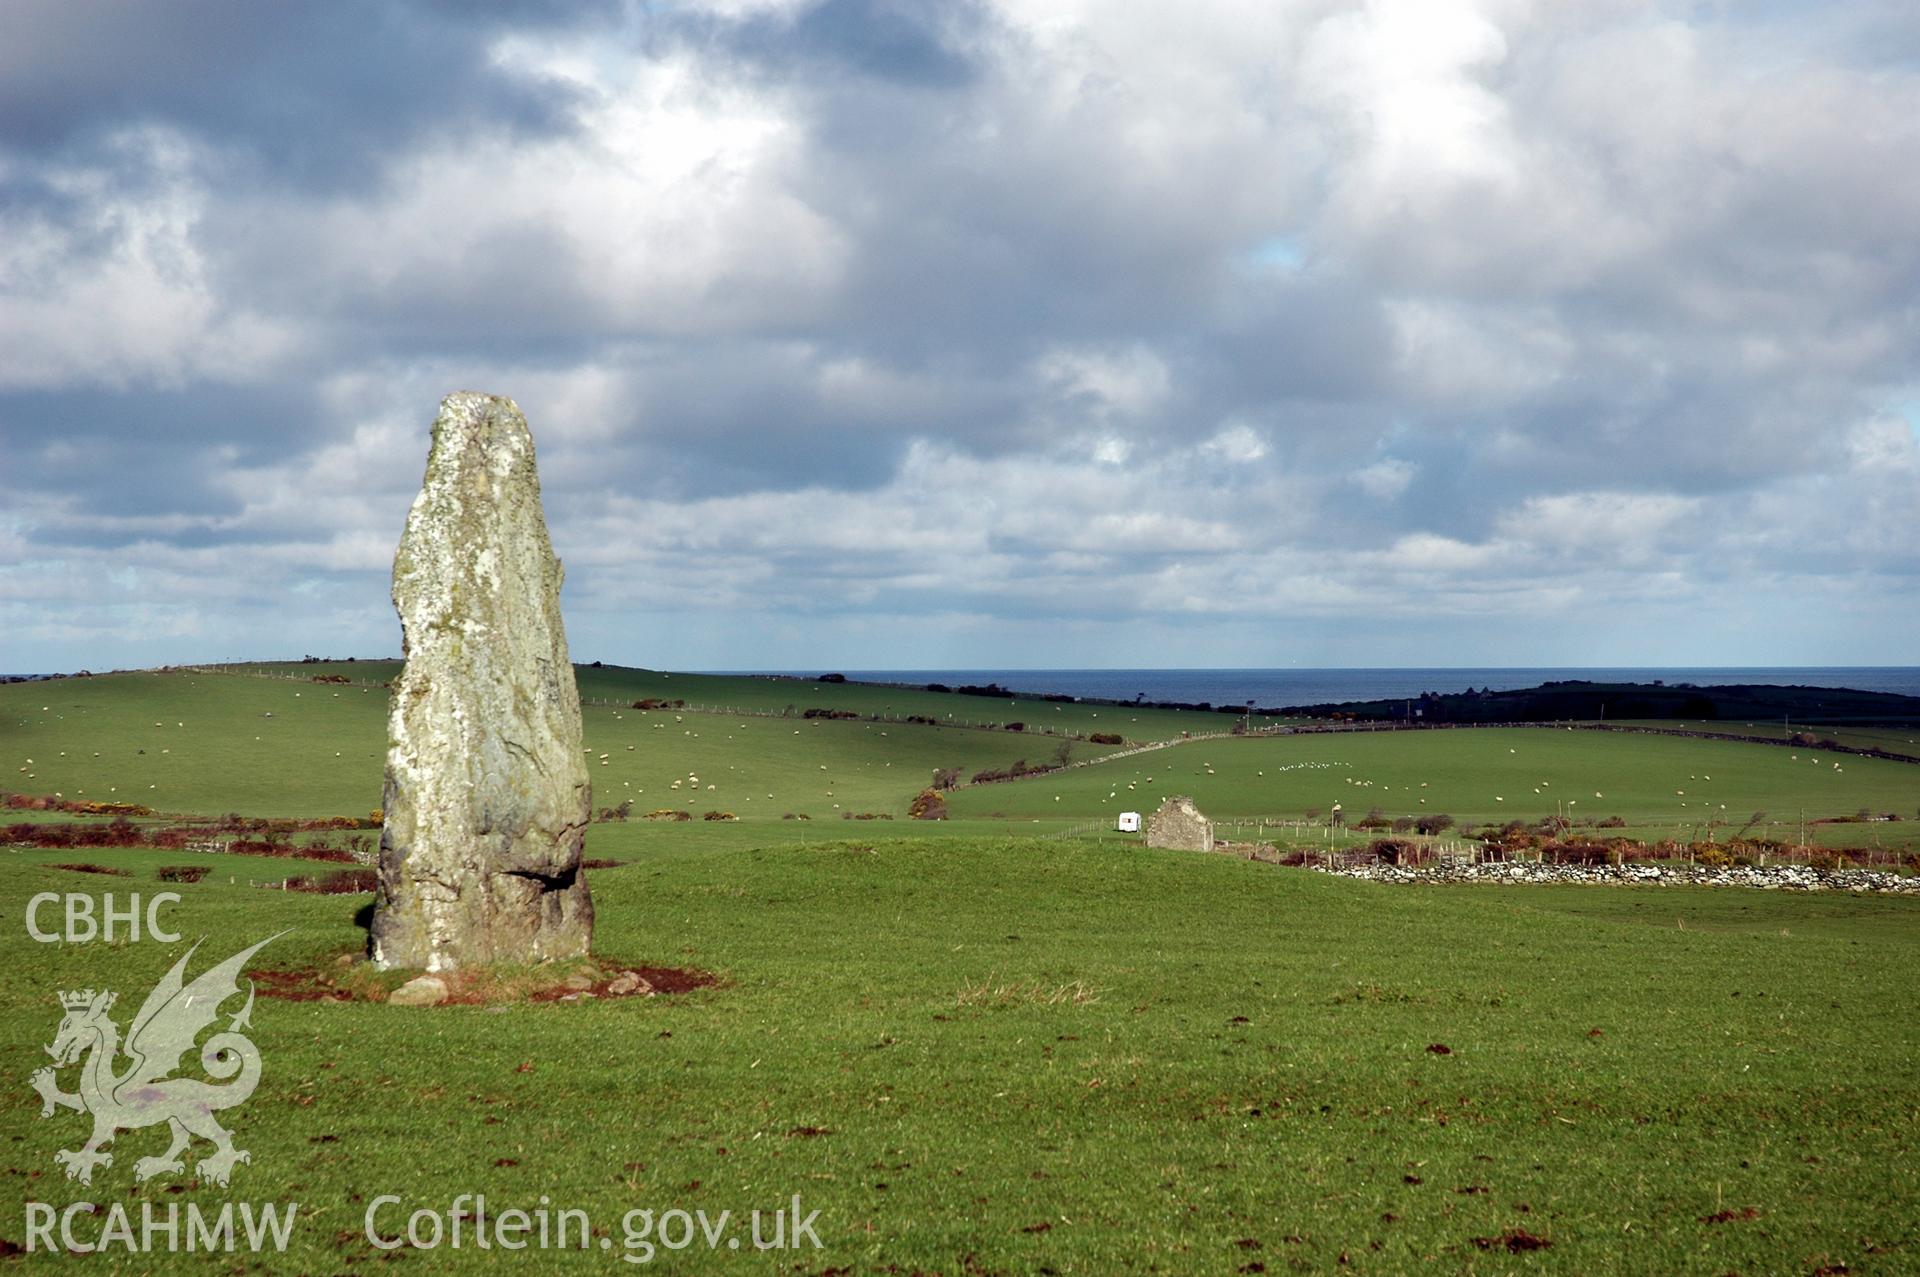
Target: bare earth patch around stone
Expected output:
[351,978]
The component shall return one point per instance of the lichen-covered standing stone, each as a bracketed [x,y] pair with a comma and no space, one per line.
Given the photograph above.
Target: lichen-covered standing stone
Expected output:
[487,797]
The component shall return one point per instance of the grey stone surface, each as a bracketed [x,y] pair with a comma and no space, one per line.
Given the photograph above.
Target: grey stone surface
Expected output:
[421,991]
[1179,826]
[487,797]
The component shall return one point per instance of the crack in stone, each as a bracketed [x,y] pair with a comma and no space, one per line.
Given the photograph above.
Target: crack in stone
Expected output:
[561,880]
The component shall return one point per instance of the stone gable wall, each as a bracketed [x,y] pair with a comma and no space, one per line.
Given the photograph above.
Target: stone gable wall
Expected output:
[1179,826]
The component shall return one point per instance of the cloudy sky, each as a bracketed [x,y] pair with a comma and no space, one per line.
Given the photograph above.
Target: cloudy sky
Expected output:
[869,333]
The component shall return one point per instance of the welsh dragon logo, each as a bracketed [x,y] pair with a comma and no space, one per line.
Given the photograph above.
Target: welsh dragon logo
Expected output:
[142,1093]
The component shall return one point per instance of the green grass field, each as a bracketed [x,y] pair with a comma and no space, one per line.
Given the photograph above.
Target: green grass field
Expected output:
[1475,775]
[770,695]
[1898,740]
[214,743]
[1244,1078]
[974,1052]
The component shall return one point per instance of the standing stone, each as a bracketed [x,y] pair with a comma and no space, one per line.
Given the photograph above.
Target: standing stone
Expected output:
[487,798]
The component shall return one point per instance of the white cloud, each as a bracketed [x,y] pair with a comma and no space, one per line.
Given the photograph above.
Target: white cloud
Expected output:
[1473,354]
[1239,443]
[1405,78]
[1884,447]
[1609,525]
[1386,478]
[1127,381]
[119,291]
[672,211]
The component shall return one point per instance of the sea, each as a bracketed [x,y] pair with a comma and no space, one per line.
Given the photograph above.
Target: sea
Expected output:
[1276,687]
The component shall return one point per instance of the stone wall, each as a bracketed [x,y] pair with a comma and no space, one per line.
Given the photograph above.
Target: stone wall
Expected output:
[1764,877]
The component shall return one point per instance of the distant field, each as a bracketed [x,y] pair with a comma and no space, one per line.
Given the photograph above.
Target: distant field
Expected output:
[214,743]
[1899,740]
[1474,774]
[764,694]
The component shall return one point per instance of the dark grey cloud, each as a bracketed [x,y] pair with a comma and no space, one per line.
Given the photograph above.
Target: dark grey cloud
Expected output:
[310,92]
[149,451]
[901,43]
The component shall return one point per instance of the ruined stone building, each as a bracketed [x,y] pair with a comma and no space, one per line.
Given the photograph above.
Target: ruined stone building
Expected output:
[1179,826]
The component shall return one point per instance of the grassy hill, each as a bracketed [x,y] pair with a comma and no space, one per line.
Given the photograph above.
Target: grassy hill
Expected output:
[1894,740]
[211,743]
[769,694]
[1474,774]
[979,1053]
